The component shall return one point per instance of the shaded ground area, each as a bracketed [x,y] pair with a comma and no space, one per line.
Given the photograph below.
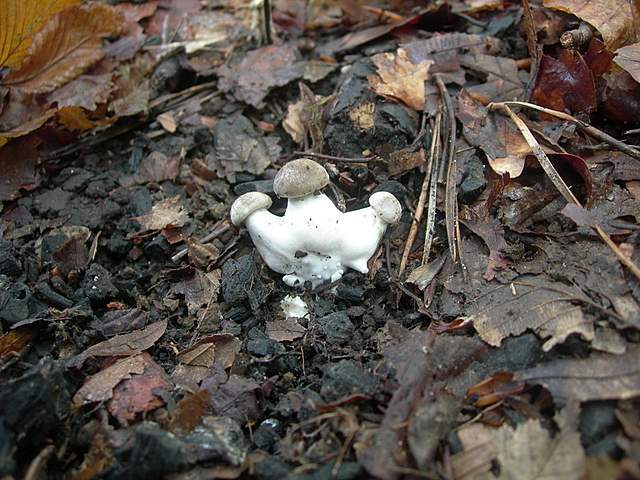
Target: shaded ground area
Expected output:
[495,335]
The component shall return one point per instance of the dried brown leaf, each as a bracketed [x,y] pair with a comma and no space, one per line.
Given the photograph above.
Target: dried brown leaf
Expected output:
[599,377]
[27,127]
[617,20]
[530,452]
[132,88]
[157,167]
[122,345]
[166,213]
[536,303]
[474,462]
[67,45]
[628,58]
[259,71]
[86,91]
[285,330]
[12,342]
[20,20]
[73,255]
[139,393]
[401,79]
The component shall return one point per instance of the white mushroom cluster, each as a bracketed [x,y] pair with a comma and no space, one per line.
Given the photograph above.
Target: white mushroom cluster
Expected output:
[313,241]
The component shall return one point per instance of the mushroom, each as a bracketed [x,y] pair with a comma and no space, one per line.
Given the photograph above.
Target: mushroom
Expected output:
[313,241]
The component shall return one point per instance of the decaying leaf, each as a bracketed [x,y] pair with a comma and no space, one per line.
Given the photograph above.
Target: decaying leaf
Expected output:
[565,83]
[27,127]
[67,45]
[196,362]
[122,345]
[474,462]
[628,58]
[496,135]
[491,232]
[140,392]
[18,165]
[12,342]
[259,71]
[86,91]
[617,20]
[599,377]
[285,330]
[132,90]
[73,254]
[157,167]
[401,79]
[164,214]
[200,290]
[535,303]
[20,20]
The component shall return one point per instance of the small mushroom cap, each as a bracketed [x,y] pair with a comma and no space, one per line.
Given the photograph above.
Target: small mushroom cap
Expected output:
[300,178]
[386,206]
[248,203]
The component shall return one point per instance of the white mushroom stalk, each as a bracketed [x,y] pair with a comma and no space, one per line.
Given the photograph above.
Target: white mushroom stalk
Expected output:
[313,241]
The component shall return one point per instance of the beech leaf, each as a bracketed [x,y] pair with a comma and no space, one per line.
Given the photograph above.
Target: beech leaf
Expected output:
[24,18]
[66,46]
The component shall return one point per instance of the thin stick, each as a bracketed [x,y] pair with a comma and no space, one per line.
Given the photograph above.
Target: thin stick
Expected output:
[413,231]
[322,156]
[588,129]
[218,229]
[568,195]
[433,190]
[450,196]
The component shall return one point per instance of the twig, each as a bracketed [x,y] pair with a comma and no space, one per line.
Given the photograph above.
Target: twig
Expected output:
[38,463]
[588,129]
[322,156]
[450,196]
[556,179]
[218,229]
[433,190]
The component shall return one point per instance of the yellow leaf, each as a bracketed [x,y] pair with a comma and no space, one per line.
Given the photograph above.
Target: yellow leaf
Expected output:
[76,120]
[66,46]
[20,20]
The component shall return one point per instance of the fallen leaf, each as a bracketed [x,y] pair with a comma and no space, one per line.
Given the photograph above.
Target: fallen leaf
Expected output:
[505,147]
[73,255]
[402,161]
[27,127]
[565,83]
[285,330]
[157,167]
[200,290]
[399,78]
[259,71]
[140,392]
[24,18]
[132,90]
[99,387]
[233,396]
[479,451]
[535,303]
[617,20]
[621,97]
[67,45]
[132,37]
[18,163]
[189,412]
[122,345]
[166,213]
[530,452]
[12,342]
[97,459]
[599,377]
[238,147]
[491,232]
[168,122]
[628,58]
[195,363]
[86,91]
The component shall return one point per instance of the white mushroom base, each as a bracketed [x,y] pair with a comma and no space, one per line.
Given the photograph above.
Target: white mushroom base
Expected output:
[316,242]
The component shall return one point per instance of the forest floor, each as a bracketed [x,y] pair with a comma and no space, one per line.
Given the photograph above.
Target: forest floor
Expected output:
[496,333]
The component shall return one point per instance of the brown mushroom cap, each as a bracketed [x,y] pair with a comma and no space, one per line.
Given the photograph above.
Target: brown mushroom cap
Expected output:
[300,178]
[246,204]
[386,206]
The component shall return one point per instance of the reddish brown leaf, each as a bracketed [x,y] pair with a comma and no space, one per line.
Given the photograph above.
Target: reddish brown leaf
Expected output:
[621,98]
[189,411]
[18,165]
[491,232]
[565,83]
[86,91]
[132,37]
[132,89]
[122,345]
[68,44]
[137,394]
[73,254]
